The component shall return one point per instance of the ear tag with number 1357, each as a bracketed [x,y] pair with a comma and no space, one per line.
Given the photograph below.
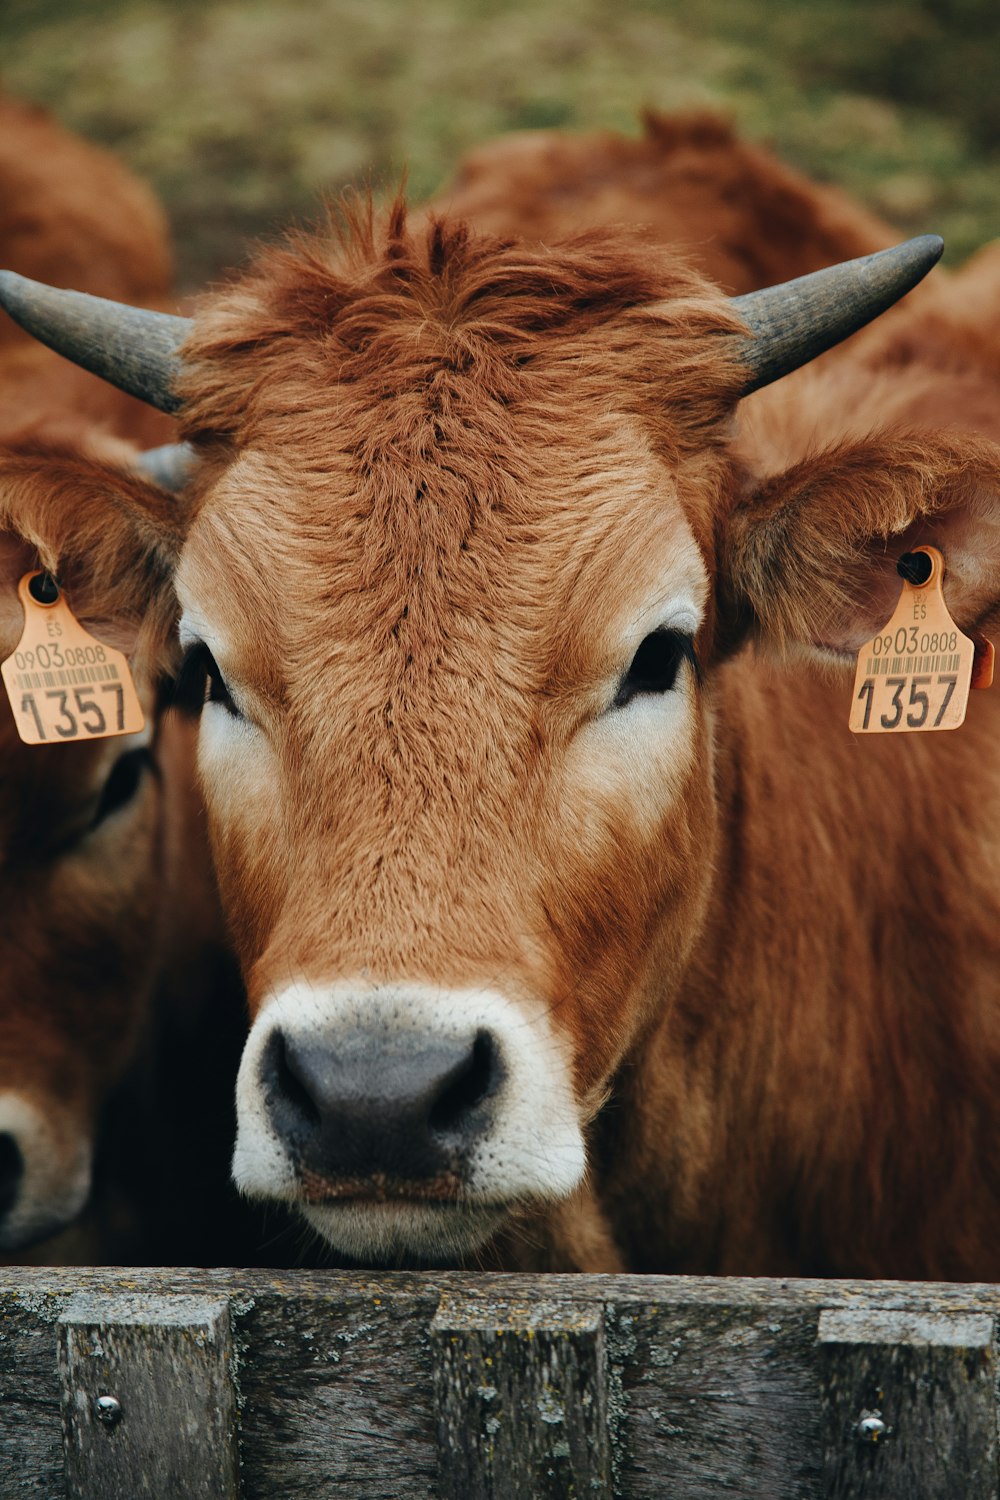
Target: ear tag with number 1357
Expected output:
[917,672]
[64,685]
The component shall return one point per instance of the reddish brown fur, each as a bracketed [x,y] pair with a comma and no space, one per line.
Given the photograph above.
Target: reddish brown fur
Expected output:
[839,1032]
[73,216]
[461,463]
[462,346]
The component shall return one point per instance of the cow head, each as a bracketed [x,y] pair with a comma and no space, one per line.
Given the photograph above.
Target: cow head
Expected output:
[458,571]
[80,867]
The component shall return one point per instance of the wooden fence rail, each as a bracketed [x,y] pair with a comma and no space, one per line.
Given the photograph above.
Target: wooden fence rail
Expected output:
[213,1385]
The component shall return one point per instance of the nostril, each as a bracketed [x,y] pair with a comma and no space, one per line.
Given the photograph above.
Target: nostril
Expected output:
[468,1084]
[285,1083]
[11,1170]
[404,1106]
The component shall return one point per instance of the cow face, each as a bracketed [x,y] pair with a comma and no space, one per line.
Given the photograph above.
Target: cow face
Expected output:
[81,878]
[453,736]
[450,809]
[448,607]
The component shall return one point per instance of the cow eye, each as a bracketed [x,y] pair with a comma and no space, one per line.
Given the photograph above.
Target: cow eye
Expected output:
[123,783]
[199,681]
[655,665]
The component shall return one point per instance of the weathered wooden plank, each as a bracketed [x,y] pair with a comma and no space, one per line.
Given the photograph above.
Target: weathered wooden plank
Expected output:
[148,1404]
[521,1396]
[31,1457]
[337,1392]
[756,1294]
[909,1405]
[714,1384]
[716,1400]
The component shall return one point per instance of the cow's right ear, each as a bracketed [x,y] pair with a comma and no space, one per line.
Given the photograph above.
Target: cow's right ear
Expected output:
[809,556]
[108,536]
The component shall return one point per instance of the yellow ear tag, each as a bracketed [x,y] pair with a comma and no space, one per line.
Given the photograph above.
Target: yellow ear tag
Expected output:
[62,683]
[917,672]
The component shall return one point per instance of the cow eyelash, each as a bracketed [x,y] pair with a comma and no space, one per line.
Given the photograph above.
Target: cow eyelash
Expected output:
[655,665]
[199,681]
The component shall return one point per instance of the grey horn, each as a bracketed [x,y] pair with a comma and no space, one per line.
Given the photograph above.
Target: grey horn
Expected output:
[791,323]
[788,324]
[127,346]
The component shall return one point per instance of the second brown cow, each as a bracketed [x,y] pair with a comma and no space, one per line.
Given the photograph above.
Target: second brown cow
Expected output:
[82,862]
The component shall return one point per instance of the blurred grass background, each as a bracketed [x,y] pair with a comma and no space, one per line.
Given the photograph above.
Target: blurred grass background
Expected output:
[243,114]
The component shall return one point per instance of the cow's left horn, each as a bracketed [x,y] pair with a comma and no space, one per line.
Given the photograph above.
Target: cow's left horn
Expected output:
[127,346]
[793,322]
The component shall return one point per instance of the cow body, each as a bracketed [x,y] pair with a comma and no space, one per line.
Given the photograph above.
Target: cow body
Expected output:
[82,879]
[744,218]
[814,1099]
[73,215]
[838,1026]
[577,930]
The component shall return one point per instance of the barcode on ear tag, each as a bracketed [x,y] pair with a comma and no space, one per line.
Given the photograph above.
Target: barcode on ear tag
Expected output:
[916,673]
[62,684]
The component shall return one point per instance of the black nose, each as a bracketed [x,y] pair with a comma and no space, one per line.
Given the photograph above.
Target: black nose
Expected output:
[11,1171]
[366,1105]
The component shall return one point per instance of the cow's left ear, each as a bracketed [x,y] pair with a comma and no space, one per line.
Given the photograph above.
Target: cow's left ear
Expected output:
[809,556]
[110,537]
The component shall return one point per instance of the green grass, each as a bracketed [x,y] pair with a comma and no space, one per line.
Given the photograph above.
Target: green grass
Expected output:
[243,115]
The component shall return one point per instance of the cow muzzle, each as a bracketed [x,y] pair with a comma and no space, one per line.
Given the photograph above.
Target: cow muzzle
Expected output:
[405,1122]
[45,1170]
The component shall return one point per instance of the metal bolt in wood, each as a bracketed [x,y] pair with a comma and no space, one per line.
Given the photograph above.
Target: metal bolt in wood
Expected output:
[147,1399]
[108,1409]
[924,1386]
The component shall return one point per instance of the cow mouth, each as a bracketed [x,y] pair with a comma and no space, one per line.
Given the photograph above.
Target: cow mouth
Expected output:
[381,1187]
[405,1231]
[384,1219]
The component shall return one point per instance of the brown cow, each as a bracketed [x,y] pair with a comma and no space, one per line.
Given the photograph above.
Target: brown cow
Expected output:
[73,215]
[743,217]
[82,879]
[578,930]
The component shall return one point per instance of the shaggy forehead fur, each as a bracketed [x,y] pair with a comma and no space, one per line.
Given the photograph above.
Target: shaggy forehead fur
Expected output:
[456,328]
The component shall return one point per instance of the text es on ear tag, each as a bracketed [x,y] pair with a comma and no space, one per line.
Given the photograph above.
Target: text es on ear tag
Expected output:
[916,673]
[63,684]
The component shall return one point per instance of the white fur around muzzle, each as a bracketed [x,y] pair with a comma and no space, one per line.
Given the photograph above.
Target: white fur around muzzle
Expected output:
[532,1152]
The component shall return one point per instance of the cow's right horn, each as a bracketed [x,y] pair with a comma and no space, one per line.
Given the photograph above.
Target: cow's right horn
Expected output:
[792,323]
[127,346]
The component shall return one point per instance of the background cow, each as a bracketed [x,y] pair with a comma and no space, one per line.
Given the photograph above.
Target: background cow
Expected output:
[73,215]
[744,218]
[83,878]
